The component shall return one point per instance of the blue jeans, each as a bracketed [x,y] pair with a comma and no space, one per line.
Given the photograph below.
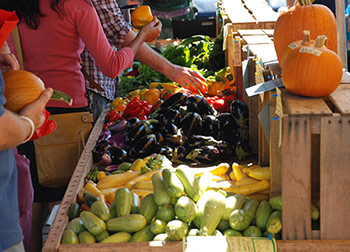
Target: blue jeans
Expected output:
[16,248]
[97,103]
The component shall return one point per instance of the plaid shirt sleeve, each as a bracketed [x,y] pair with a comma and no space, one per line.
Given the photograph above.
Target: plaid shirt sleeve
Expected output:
[115,28]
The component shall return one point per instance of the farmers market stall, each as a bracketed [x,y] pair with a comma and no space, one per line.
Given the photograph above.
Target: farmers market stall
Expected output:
[170,169]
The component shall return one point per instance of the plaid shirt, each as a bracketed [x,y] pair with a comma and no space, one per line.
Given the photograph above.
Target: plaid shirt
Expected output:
[115,28]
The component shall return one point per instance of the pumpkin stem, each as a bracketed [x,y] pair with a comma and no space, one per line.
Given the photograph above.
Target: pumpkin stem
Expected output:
[321,41]
[306,37]
[303,2]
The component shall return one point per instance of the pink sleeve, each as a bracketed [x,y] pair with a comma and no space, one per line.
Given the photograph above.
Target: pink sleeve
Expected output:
[110,62]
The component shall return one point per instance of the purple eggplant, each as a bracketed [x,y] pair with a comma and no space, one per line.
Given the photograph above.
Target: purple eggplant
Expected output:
[117,127]
[104,135]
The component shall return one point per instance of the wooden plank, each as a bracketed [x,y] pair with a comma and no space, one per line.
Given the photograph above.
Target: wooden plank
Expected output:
[275,151]
[301,106]
[268,32]
[335,177]
[236,11]
[84,165]
[265,52]
[313,245]
[296,178]
[261,10]
[340,98]
[341,31]
[257,39]
[251,32]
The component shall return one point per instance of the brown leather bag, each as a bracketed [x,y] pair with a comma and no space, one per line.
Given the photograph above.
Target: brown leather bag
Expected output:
[57,154]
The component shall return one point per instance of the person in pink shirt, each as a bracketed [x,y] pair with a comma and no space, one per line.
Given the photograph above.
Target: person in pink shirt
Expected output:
[53,35]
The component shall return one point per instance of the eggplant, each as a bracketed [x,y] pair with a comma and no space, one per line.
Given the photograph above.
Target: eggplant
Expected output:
[158,112]
[210,126]
[164,150]
[118,155]
[99,150]
[191,123]
[198,104]
[169,129]
[240,112]
[192,103]
[173,116]
[118,127]
[207,154]
[175,100]
[145,145]
[104,135]
[179,155]
[136,133]
[131,123]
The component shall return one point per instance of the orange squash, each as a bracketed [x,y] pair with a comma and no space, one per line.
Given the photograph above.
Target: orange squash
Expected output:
[23,87]
[141,16]
[313,71]
[316,18]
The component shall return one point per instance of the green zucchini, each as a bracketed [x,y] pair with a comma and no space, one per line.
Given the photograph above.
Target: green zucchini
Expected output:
[276,202]
[239,219]
[231,232]
[123,201]
[135,204]
[250,208]
[161,197]
[213,211]
[173,184]
[161,237]
[92,223]
[262,214]
[86,237]
[69,237]
[187,178]
[157,226]
[252,231]
[232,203]
[143,235]
[117,237]
[166,213]
[176,230]
[148,207]
[74,211]
[274,224]
[100,237]
[100,209]
[129,223]
[185,209]
[76,225]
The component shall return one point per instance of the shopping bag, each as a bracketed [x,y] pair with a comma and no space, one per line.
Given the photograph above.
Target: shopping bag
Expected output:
[8,21]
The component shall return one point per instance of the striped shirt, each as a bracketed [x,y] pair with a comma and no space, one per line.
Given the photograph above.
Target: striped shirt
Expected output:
[115,27]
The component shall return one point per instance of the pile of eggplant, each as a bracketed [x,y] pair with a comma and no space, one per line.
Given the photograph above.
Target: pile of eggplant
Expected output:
[185,128]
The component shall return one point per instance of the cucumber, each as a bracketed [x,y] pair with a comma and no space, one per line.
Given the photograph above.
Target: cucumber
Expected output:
[129,223]
[187,178]
[252,231]
[262,214]
[123,201]
[213,211]
[231,232]
[100,237]
[100,209]
[90,198]
[185,209]
[250,208]
[92,223]
[276,202]
[74,211]
[161,197]
[173,184]
[69,237]
[112,210]
[117,237]
[86,237]
[148,207]
[143,235]
[76,225]
[274,224]
[232,203]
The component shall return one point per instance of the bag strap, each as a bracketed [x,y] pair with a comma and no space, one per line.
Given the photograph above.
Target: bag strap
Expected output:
[91,81]
[17,41]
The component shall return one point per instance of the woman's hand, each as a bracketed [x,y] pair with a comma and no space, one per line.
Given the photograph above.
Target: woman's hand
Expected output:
[151,31]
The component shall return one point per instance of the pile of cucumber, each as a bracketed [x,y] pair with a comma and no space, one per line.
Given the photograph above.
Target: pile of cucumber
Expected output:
[182,204]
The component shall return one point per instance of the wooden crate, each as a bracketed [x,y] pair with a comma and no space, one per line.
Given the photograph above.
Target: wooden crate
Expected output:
[313,163]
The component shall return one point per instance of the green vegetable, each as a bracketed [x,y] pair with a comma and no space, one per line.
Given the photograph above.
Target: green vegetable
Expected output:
[231,232]
[274,224]
[176,230]
[69,237]
[166,213]
[157,226]
[144,234]
[232,203]
[76,225]
[276,202]
[239,219]
[315,213]
[172,183]
[161,197]
[86,237]
[262,214]
[250,208]
[185,209]
[148,207]
[100,209]
[252,231]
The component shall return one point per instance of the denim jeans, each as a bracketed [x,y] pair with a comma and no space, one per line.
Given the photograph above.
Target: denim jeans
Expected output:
[16,248]
[97,103]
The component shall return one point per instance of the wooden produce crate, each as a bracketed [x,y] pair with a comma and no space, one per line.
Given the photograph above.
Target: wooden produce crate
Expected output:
[313,163]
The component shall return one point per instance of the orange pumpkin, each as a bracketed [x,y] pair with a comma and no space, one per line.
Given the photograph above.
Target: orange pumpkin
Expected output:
[316,18]
[141,16]
[23,87]
[312,70]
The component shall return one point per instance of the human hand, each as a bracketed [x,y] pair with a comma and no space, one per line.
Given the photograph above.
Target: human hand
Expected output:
[9,61]
[151,31]
[188,78]
[35,109]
